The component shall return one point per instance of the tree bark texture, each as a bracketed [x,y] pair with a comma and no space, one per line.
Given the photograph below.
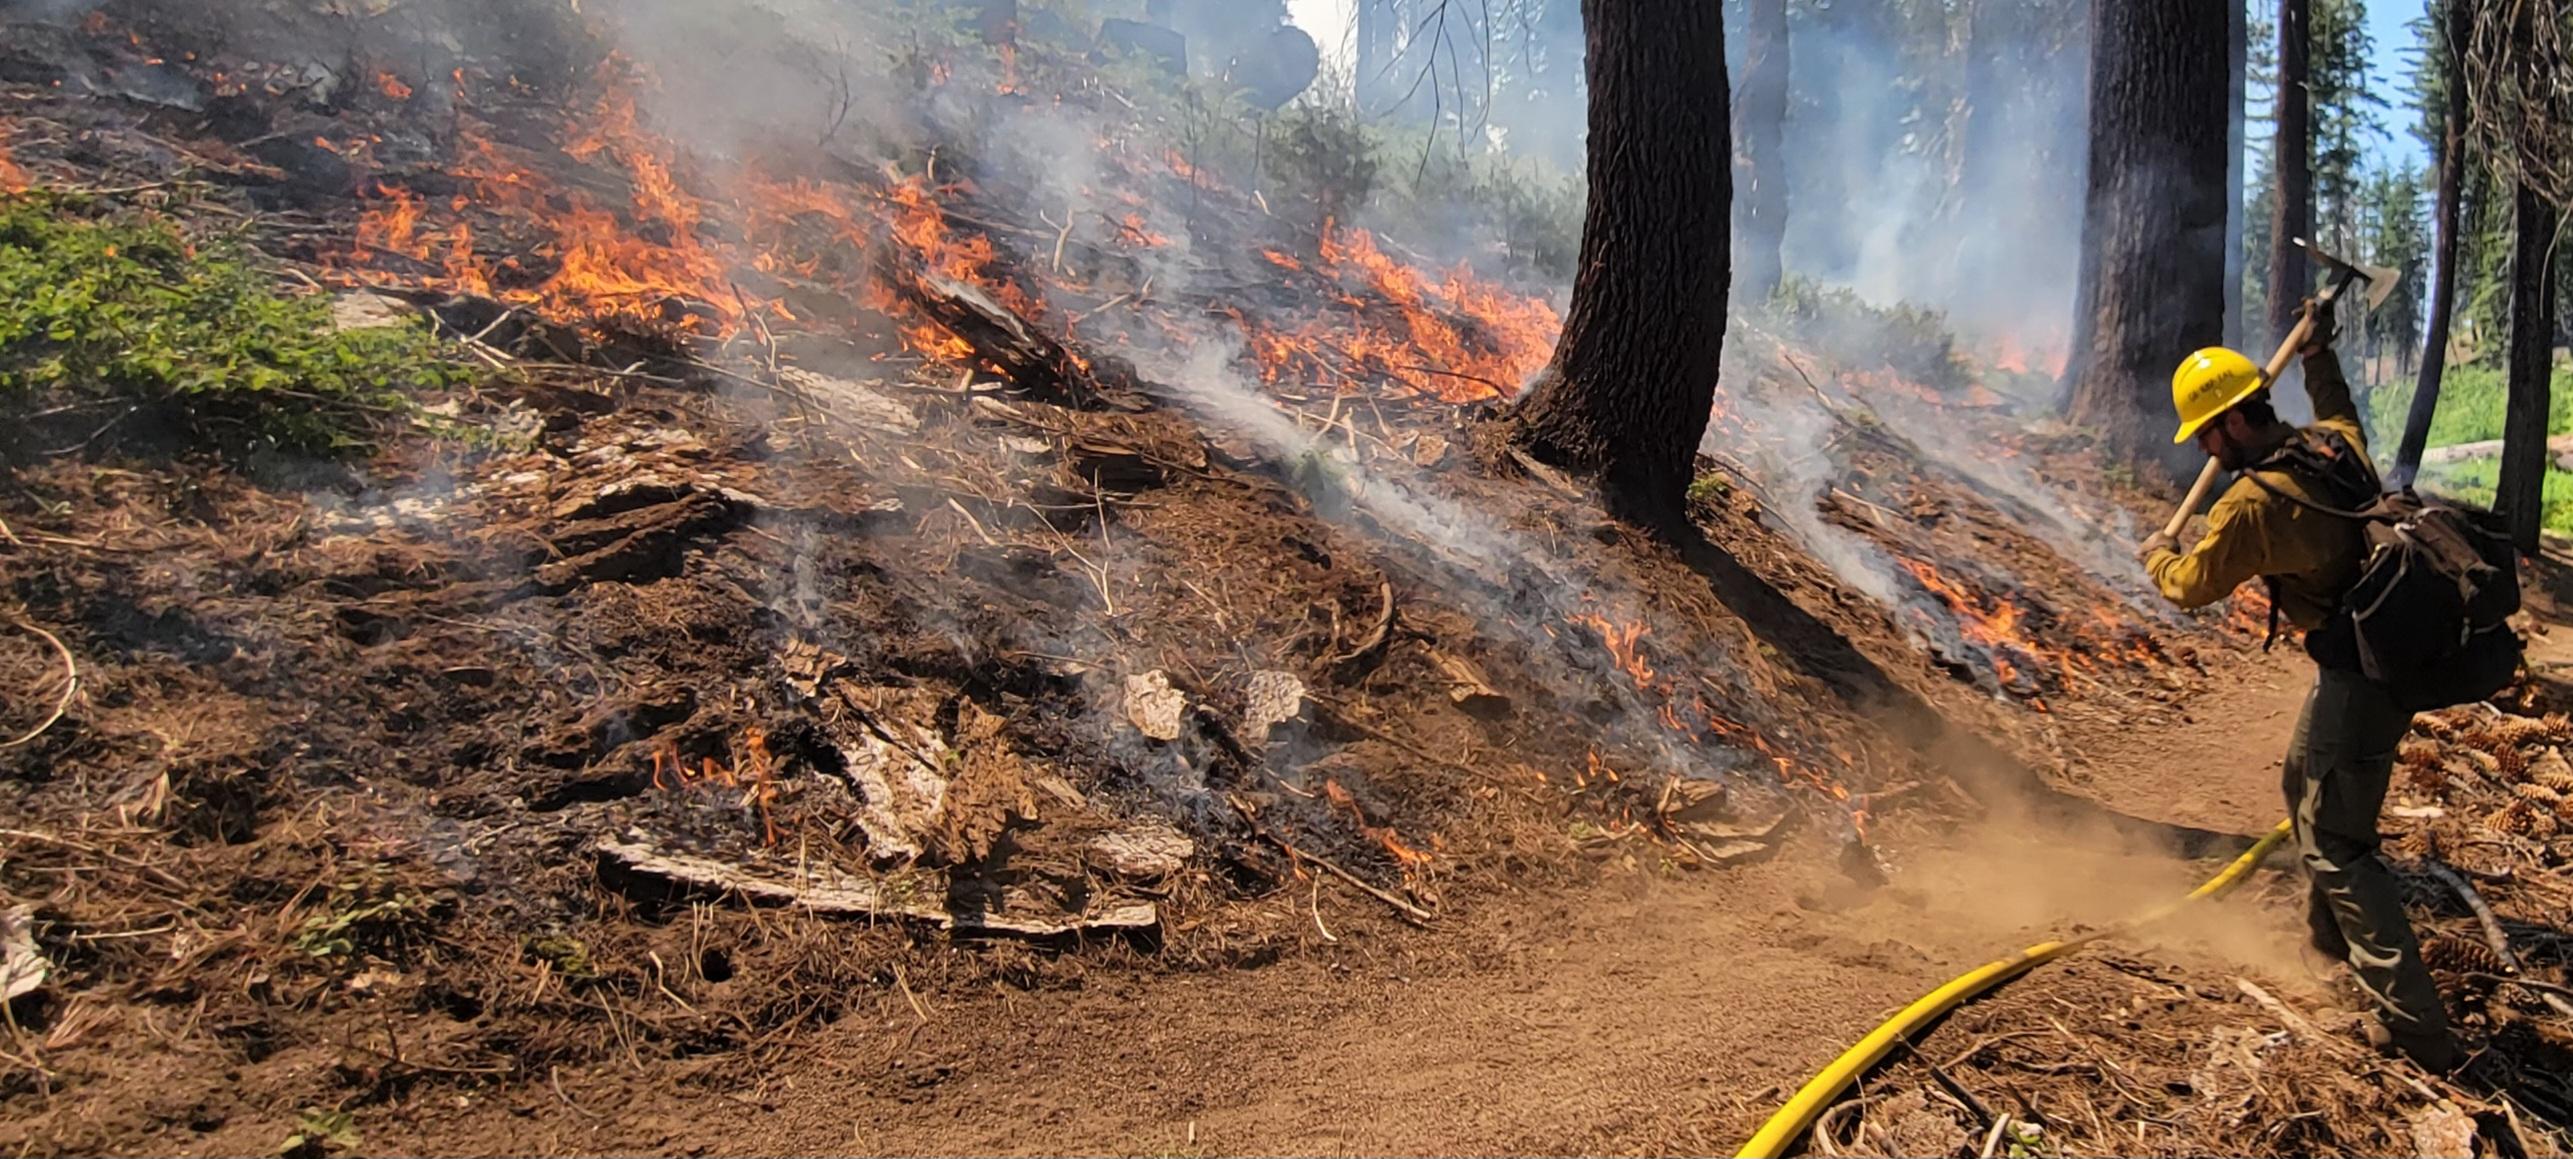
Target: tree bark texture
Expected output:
[2520,494]
[2445,214]
[2153,221]
[1627,394]
[1760,172]
[2237,75]
[2291,213]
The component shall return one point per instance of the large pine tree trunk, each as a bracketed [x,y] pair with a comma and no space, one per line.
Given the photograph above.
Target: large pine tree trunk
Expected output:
[2291,213]
[2153,220]
[1760,172]
[2520,495]
[2443,276]
[2237,74]
[1627,395]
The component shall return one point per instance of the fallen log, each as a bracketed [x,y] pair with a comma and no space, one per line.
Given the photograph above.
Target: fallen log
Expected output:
[1033,361]
[834,893]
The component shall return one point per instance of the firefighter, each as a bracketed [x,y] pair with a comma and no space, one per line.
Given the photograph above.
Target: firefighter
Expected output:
[2342,752]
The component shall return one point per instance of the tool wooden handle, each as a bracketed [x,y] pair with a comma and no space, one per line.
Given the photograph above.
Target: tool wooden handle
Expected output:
[2296,337]
[2197,494]
[2287,350]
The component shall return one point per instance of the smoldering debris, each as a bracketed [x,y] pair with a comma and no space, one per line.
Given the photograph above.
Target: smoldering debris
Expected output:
[840,479]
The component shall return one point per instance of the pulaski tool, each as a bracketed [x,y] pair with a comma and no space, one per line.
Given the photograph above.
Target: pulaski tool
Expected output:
[2380,282]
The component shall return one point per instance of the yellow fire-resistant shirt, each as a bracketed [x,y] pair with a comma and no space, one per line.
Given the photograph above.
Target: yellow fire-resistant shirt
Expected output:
[2313,557]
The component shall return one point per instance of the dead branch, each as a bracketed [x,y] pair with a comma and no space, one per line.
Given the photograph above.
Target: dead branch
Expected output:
[2483,911]
[1250,816]
[71,686]
[2494,936]
[1377,633]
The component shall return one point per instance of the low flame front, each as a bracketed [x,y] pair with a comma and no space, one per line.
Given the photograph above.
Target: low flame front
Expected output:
[12,178]
[1690,716]
[1460,339]
[755,775]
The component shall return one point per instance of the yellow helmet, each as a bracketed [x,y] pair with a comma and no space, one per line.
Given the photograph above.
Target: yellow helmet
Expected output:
[2209,383]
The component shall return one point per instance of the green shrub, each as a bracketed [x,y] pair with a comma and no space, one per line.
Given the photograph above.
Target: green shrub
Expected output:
[1539,212]
[123,306]
[1324,157]
[1914,342]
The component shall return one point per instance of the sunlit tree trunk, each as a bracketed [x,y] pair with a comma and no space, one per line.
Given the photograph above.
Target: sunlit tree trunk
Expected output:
[2443,284]
[1627,394]
[2291,213]
[2153,220]
[2237,73]
[2520,495]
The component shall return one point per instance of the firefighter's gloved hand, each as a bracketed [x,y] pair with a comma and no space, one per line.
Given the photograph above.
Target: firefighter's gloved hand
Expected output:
[2327,327]
[2158,541]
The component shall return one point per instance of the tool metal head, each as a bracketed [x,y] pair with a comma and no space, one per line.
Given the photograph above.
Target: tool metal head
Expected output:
[2380,280]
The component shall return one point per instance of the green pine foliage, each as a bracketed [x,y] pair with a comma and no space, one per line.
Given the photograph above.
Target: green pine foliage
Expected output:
[101,305]
[2396,210]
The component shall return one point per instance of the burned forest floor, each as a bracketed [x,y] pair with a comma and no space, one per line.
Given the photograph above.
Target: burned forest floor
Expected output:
[850,662]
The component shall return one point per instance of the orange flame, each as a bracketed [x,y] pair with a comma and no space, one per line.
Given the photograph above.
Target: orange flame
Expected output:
[756,775]
[1406,857]
[1460,340]
[1621,641]
[596,267]
[392,87]
[1132,231]
[1999,626]
[12,178]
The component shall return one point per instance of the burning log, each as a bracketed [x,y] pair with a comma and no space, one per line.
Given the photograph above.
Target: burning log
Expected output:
[1032,360]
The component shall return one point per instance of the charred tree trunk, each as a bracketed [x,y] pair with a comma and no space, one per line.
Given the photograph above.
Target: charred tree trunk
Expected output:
[2237,73]
[2153,220]
[2520,494]
[1627,395]
[1760,171]
[2443,278]
[2291,215]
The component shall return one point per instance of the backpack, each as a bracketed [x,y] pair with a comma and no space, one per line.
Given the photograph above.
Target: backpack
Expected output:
[2429,615]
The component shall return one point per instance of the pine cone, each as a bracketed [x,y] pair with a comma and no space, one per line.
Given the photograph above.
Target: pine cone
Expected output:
[2417,754]
[2417,845]
[2440,725]
[2459,956]
[2519,730]
[2428,782]
[2522,818]
[2554,774]
[2531,791]
[2511,764]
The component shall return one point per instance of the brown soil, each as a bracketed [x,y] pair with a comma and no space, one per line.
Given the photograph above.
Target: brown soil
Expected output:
[457,791]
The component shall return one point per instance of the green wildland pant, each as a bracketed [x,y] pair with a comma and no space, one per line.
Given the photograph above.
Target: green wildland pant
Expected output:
[2337,767]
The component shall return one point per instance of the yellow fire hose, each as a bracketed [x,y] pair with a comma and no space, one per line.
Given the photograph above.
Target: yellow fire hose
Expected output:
[1795,1118]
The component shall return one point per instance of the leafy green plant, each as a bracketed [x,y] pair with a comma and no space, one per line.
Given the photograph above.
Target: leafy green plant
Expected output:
[569,956]
[319,1132]
[122,305]
[361,917]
